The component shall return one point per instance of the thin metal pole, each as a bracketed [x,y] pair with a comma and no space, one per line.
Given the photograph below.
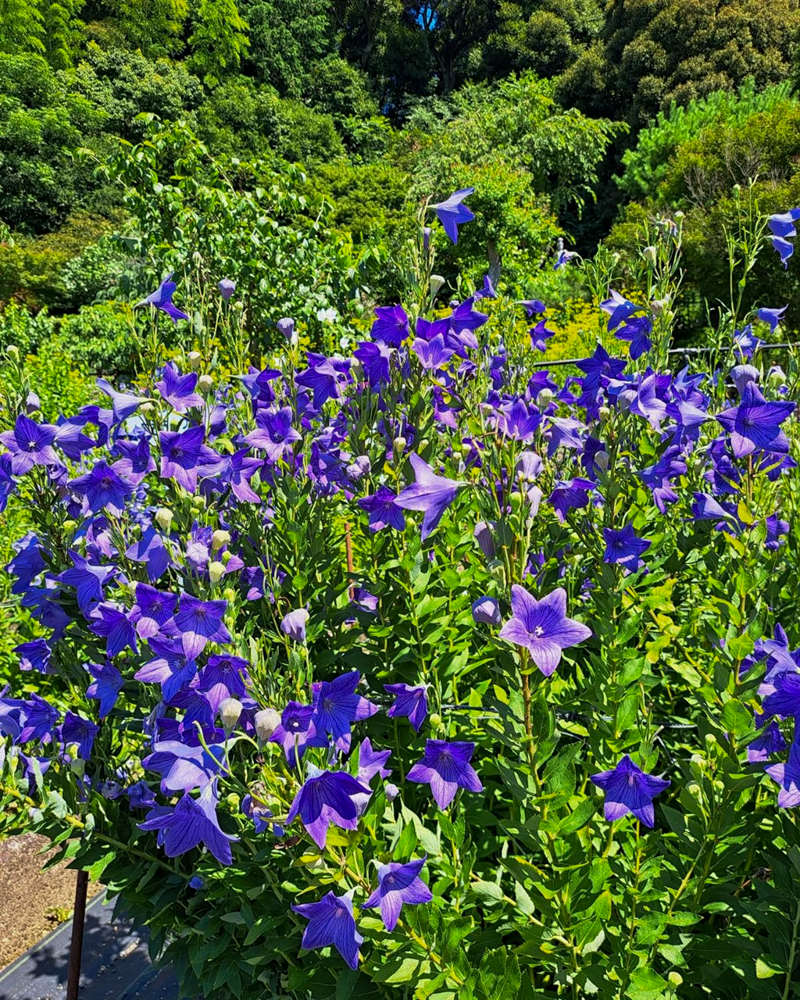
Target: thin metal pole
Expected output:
[76,944]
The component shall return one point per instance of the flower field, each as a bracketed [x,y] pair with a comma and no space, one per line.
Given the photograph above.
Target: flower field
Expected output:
[425,670]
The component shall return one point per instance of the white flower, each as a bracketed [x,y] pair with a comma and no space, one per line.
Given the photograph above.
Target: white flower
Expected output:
[329,315]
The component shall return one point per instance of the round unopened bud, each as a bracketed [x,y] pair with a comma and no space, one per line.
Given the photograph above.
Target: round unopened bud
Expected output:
[219,538]
[423,444]
[238,306]
[146,408]
[194,358]
[229,594]
[603,414]
[777,376]
[205,384]
[216,571]
[400,444]
[229,712]
[198,502]
[392,791]
[436,720]
[679,215]
[266,722]
[650,254]
[13,352]
[69,526]
[436,284]
[233,800]
[226,557]
[544,398]
[601,460]
[164,518]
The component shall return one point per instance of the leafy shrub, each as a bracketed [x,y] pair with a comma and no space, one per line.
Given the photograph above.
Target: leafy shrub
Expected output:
[465,679]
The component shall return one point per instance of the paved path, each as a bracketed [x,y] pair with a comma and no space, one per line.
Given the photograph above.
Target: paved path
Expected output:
[115,964]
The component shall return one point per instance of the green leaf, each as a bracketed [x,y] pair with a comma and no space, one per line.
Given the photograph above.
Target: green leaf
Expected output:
[487,890]
[579,817]
[736,718]
[646,985]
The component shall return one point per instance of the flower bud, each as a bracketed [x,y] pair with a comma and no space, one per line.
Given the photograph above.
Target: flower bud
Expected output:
[601,460]
[238,306]
[436,284]
[392,791]
[226,557]
[679,215]
[13,352]
[205,384]
[164,518]
[294,624]
[216,571]
[486,611]
[604,413]
[544,398]
[146,408]
[650,254]
[226,288]
[423,444]
[266,722]
[399,444]
[436,721]
[233,801]
[219,538]
[69,526]
[777,376]
[483,536]
[229,712]
[198,502]
[229,594]
[194,358]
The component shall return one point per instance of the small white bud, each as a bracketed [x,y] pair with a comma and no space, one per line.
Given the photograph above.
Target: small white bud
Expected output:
[229,712]
[400,444]
[604,413]
[216,571]
[13,352]
[601,460]
[194,358]
[266,722]
[544,398]
[146,408]
[219,538]
[436,284]
[205,384]
[164,518]
[650,254]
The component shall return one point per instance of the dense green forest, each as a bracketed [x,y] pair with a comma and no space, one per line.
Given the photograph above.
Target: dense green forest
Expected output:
[287,144]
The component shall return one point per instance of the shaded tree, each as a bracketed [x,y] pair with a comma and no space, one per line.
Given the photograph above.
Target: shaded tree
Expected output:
[288,38]
[154,26]
[218,40]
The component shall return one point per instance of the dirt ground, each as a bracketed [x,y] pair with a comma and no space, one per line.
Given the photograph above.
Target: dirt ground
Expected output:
[32,902]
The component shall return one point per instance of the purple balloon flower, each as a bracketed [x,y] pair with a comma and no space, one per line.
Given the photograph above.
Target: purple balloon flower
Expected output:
[226,288]
[102,488]
[184,456]
[161,299]
[274,433]
[452,213]
[430,493]
[446,768]
[624,547]
[629,790]
[183,768]
[788,777]
[30,444]
[295,730]
[200,622]
[771,316]
[542,627]
[34,655]
[410,701]
[116,625]
[172,667]
[327,797]
[391,326]
[79,731]
[383,510]
[190,823]
[294,624]
[178,390]
[755,424]
[331,923]
[224,676]
[336,707]
[573,494]
[398,884]
[105,687]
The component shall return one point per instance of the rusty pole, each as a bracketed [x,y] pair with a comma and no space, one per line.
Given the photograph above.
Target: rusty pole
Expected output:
[76,944]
